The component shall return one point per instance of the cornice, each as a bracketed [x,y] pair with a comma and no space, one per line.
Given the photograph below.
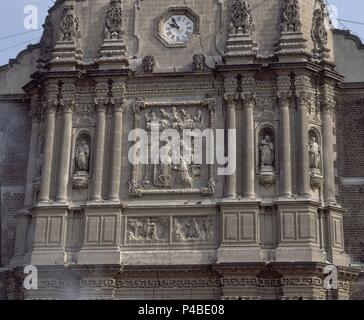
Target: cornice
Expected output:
[348,35]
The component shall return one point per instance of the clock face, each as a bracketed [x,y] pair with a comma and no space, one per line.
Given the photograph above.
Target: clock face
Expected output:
[178,29]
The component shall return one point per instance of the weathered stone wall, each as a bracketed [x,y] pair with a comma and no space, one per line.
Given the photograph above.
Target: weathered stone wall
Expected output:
[14,145]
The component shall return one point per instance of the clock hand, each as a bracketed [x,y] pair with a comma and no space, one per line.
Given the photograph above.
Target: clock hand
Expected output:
[175,23]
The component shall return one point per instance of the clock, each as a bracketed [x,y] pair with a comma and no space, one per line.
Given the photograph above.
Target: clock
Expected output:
[178,29]
[177,26]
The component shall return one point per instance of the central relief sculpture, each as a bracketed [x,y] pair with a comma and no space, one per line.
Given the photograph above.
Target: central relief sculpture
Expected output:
[163,175]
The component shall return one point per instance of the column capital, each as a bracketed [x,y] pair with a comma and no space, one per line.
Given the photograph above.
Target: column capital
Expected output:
[68,105]
[231,99]
[328,106]
[101,104]
[52,105]
[117,104]
[283,97]
[249,99]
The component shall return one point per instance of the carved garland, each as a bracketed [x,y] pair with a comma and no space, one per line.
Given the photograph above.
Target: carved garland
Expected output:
[135,189]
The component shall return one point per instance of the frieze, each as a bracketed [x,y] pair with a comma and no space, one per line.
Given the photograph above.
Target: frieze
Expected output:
[311,282]
[186,85]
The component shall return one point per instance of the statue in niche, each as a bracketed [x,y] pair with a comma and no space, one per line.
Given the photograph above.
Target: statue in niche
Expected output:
[267,153]
[82,157]
[315,155]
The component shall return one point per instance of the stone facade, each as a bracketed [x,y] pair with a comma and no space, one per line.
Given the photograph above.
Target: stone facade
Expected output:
[99,227]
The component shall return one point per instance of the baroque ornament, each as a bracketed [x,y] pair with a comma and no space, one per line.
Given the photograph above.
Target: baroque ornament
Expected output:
[241,19]
[69,26]
[114,22]
[199,62]
[290,17]
[319,32]
[149,64]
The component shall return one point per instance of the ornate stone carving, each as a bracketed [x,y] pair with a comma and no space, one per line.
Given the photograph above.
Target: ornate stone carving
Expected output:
[319,34]
[290,19]
[147,230]
[113,52]
[199,62]
[240,46]
[149,64]
[241,18]
[66,52]
[292,41]
[114,29]
[69,26]
[193,229]
[167,177]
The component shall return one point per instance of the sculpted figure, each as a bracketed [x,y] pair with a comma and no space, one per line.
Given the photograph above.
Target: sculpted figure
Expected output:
[267,152]
[315,154]
[82,157]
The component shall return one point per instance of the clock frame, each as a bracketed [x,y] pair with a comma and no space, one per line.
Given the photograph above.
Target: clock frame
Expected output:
[166,15]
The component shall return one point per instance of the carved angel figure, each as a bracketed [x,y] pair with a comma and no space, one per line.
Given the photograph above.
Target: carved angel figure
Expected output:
[82,157]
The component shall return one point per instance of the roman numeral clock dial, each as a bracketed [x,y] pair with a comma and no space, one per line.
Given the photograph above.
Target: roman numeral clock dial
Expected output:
[178,29]
[177,26]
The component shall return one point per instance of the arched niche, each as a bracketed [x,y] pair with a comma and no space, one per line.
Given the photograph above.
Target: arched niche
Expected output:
[82,152]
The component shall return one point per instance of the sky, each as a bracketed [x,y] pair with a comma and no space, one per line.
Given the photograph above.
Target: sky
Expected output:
[21,22]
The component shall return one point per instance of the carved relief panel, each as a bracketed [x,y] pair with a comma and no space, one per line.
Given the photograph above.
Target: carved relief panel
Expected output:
[163,175]
[167,230]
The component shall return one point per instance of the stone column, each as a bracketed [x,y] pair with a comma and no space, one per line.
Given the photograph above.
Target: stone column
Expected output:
[285,145]
[249,146]
[302,142]
[114,179]
[65,152]
[48,151]
[230,99]
[33,149]
[98,166]
[328,154]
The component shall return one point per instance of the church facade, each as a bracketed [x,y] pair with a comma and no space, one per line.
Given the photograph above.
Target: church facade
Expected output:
[283,86]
